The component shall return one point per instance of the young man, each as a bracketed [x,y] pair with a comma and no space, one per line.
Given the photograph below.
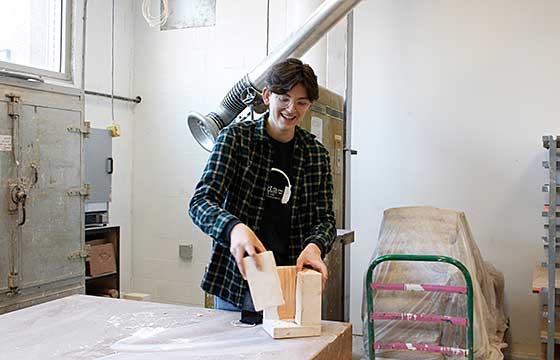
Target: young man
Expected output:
[267,185]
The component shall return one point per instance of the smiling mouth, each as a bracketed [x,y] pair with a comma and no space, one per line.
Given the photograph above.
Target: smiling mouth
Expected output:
[289,118]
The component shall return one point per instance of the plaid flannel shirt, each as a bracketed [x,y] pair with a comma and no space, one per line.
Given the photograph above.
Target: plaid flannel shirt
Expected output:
[233,185]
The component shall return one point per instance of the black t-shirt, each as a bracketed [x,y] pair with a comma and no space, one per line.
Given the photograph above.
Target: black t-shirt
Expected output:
[275,229]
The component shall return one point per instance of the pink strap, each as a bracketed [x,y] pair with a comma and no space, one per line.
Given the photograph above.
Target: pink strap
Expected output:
[420,287]
[460,321]
[432,348]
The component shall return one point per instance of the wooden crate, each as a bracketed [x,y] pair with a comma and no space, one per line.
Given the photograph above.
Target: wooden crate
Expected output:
[101,259]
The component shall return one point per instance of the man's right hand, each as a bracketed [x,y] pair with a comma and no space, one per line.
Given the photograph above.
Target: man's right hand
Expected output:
[243,240]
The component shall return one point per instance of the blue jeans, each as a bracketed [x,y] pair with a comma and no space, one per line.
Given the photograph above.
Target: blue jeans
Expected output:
[221,304]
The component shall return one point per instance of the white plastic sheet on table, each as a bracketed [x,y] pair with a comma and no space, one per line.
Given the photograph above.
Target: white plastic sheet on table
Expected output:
[432,231]
[89,327]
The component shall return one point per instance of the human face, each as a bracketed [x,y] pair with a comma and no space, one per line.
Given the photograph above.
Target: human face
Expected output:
[286,112]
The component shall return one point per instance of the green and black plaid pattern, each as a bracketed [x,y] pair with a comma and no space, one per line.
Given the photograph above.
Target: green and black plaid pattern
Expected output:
[233,187]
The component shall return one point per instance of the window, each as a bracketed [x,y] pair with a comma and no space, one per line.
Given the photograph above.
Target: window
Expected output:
[34,37]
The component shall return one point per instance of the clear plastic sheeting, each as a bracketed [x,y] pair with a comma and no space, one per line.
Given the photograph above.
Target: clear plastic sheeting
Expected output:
[89,327]
[433,231]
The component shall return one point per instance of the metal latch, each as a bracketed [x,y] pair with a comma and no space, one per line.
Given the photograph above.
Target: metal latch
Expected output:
[13,289]
[78,254]
[85,129]
[83,191]
[18,195]
[14,105]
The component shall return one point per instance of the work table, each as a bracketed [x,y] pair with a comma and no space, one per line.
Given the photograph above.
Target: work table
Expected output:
[88,327]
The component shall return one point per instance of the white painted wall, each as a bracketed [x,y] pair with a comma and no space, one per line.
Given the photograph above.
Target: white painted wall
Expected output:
[298,12]
[451,99]
[332,72]
[336,58]
[177,71]
[98,110]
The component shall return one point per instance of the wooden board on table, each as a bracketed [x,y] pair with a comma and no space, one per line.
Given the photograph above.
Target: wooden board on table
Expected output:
[540,279]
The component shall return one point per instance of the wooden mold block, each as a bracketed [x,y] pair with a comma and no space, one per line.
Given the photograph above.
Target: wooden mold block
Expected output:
[284,329]
[287,275]
[307,321]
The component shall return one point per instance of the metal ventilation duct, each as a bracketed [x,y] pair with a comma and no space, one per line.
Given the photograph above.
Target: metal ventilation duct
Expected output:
[205,129]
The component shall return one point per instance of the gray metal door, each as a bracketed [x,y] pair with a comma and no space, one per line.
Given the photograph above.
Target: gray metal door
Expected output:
[41,193]
[99,165]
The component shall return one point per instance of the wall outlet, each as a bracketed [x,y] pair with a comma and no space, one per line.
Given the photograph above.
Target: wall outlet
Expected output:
[186,252]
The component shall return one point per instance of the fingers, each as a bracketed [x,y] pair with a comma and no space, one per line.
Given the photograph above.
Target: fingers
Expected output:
[317,265]
[324,272]
[252,252]
[244,240]
[320,267]
[299,264]
[238,255]
[312,259]
[259,246]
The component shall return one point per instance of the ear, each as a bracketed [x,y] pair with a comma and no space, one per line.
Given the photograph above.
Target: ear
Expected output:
[266,96]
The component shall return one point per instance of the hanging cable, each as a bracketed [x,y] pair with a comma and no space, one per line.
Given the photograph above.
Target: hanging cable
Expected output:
[153,20]
[113,64]
[114,128]
[267,25]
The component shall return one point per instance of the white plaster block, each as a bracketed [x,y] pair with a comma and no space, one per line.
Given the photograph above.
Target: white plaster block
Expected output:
[308,298]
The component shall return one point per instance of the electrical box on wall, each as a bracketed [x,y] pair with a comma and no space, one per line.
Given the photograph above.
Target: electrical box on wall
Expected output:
[186,252]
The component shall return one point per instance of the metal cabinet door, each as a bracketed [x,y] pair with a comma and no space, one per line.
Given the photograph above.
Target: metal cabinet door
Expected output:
[99,165]
[41,243]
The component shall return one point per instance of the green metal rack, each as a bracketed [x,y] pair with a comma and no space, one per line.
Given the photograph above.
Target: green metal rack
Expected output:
[468,291]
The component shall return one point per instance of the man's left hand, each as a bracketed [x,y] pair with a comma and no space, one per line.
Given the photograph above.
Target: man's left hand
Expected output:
[311,256]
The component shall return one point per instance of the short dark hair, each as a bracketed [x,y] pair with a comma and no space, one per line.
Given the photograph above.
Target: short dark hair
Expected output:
[283,76]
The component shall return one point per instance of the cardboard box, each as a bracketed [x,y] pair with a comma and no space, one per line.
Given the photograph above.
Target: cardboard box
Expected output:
[101,259]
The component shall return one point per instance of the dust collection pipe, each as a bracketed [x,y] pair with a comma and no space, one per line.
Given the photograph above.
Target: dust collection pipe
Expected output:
[205,129]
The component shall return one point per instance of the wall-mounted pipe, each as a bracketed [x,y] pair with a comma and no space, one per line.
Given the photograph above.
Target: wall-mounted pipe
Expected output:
[136,100]
[205,129]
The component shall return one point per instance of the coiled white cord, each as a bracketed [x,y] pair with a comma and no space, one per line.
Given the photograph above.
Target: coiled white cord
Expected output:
[287,190]
[152,20]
